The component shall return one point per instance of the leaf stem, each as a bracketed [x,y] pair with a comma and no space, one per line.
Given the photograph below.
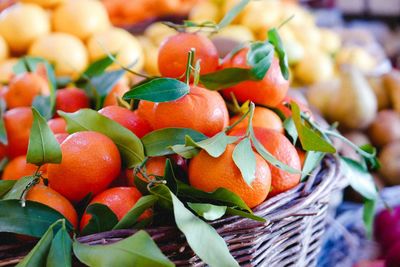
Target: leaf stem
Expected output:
[230,127]
[189,65]
[250,125]
[347,141]
[285,21]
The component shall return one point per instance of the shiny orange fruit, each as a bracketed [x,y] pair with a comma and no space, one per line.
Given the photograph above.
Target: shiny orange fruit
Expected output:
[23,88]
[173,54]
[18,123]
[269,91]
[263,118]
[119,199]
[281,148]
[71,99]
[202,110]
[47,196]
[127,118]
[57,125]
[90,162]
[18,168]
[208,173]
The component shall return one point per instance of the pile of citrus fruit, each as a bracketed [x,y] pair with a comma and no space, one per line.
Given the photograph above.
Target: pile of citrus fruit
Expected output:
[69,34]
[207,138]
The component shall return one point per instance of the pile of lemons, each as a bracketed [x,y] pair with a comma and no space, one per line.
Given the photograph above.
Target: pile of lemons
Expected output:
[68,33]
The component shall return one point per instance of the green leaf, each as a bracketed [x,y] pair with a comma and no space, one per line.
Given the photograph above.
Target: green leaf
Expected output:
[225,78]
[60,250]
[33,219]
[290,129]
[245,159]
[309,138]
[3,163]
[359,178]
[158,90]
[368,215]
[372,161]
[313,159]
[259,57]
[158,143]
[220,196]
[184,151]
[129,144]
[269,157]
[30,64]
[130,218]
[162,192]
[136,250]
[169,176]
[41,103]
[5,186]
[141,185]
[233,211]
[98,67]
[38,255]
[214,146]
[43,146]
[20,187]
[103,219]
[231,15]
[106,81]
[275,40]
[201,237]
[208,211]
[3,132]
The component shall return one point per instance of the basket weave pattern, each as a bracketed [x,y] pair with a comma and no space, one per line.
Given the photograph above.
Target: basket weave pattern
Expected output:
[296,221]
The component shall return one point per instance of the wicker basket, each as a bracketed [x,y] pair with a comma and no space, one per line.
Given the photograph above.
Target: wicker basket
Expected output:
[292,235]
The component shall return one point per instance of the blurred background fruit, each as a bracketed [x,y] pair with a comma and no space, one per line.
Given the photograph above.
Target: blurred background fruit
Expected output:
[22,24]
[65,51]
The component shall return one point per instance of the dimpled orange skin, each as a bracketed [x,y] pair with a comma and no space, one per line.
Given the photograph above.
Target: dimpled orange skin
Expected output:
[269,91]
[119,199]
[154,166]
[57,125]
[201,110]
[18,123]
[173,54]
[90,162]
[207,173]
[71,99]
[18,168]
[263,117]
[127,118]
[49,197]
[281,148]
[23,88]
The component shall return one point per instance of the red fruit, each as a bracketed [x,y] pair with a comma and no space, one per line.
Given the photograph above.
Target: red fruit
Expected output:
[119,199]
[127,118]
[57,125]
[387,227]
[71,99]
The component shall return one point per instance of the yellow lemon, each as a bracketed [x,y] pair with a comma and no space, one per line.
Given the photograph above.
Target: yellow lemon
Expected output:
[6,69]
[4,51]
[44,3]
[314,67]
[204,11]
[158,32]
[81,18]
[120,42]
[151,56]
[65,51]
[21,24]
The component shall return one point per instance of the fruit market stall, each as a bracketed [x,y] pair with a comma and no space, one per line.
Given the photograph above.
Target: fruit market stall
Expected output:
[187,133]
